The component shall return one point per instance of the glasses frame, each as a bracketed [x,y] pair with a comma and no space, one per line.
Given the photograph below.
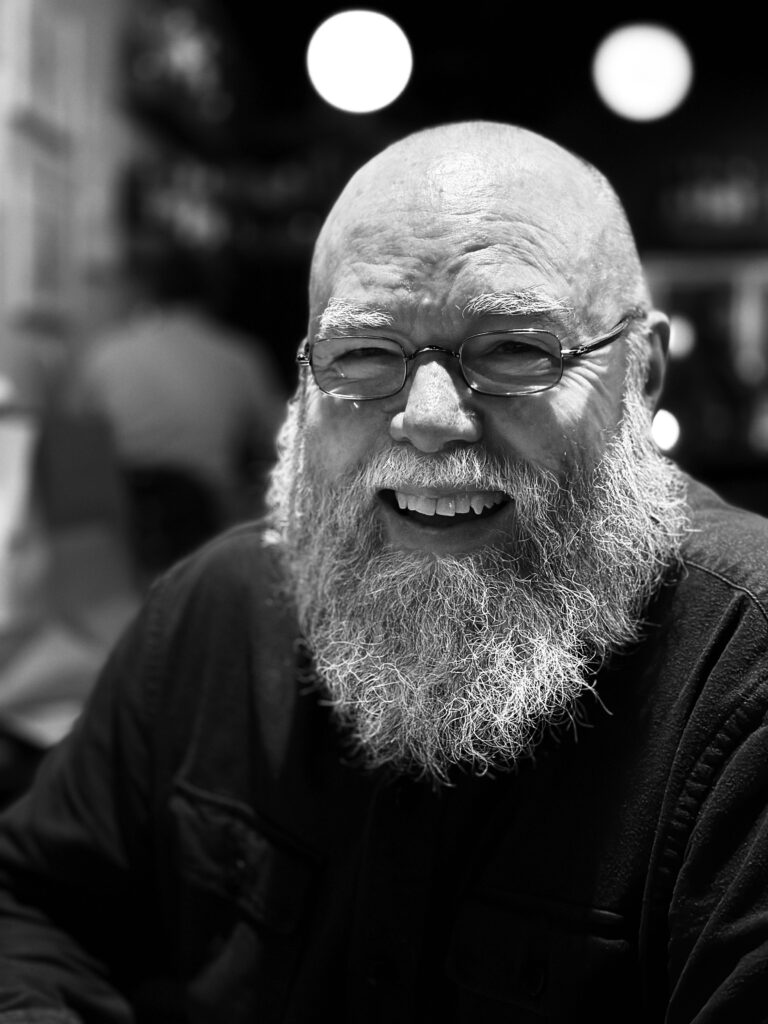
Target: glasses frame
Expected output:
[304,358]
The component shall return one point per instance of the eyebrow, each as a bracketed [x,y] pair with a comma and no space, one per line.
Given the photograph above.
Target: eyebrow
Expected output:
[529,302]
[341,315]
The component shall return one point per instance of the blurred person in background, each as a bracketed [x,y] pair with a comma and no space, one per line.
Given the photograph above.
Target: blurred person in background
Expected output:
[472,727]
[194,406]
[66,590]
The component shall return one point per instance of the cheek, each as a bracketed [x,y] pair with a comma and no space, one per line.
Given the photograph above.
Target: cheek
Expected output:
[550,429]
[531,432]
[340,434]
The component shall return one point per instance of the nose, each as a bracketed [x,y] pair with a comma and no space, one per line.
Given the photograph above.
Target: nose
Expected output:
[437,411]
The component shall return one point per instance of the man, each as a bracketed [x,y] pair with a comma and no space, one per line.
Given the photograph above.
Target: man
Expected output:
[474,729]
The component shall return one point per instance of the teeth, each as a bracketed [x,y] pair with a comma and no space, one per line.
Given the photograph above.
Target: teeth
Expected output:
[449,504]
[462,503]
[420,503]
[482,501]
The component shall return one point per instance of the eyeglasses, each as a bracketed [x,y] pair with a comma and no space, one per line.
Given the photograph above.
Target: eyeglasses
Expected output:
[506,363]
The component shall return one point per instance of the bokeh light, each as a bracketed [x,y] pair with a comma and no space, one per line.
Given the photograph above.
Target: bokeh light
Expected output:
[682,338]
[642,72]
[359,61]
[665,430]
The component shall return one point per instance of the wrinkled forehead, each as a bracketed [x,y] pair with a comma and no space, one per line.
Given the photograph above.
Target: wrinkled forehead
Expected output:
[540,211]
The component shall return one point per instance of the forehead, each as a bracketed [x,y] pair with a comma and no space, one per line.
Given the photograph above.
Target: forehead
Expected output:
[417,285]
[422,247]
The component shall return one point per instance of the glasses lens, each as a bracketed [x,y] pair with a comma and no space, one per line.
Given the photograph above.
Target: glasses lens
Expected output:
[512,362]
[358,367]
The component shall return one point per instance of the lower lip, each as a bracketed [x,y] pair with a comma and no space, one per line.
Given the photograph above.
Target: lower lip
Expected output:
[445,536]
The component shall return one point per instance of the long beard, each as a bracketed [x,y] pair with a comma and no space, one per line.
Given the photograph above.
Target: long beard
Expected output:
[433,662]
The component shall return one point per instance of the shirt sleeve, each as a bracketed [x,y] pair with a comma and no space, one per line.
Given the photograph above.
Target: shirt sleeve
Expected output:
[718,916]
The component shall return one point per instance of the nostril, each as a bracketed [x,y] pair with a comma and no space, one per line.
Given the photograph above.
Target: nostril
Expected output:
[440,423]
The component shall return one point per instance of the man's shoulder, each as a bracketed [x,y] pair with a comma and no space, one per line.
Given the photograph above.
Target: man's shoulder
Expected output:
[217,644]
[223,617]
[727,543]
[238,568]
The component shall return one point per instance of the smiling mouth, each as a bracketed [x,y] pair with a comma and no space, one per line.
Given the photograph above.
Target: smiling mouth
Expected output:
[445,509]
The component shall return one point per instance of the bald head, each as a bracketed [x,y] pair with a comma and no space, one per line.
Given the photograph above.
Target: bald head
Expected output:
[498,191]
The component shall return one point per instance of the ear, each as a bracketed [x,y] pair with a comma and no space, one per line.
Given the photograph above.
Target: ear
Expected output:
[658,342]
[304,376]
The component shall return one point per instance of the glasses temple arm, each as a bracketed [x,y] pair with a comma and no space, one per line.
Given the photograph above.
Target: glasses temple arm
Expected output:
[606,339]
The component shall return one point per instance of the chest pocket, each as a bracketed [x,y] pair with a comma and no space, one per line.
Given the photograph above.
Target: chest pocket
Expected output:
[240,862]
[239,912]
[531,961]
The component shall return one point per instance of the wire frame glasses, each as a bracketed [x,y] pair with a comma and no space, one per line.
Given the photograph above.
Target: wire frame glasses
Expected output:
[505,363]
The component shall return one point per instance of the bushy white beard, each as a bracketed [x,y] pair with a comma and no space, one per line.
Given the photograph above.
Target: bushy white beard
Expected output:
[432,662]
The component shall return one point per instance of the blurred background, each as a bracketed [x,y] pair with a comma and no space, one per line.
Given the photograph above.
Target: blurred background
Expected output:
[191,128]
[164,168]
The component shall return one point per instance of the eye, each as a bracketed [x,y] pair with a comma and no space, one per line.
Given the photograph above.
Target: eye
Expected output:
[356,358]
[366,353]
[509,347]
[511,362]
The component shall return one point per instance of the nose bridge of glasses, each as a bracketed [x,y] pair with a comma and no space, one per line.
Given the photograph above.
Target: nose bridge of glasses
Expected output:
[435,388]
[425,349]
[433,350]
[455,370]
[436,409]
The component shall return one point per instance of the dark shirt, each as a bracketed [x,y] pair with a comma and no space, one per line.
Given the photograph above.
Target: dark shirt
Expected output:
[199,848]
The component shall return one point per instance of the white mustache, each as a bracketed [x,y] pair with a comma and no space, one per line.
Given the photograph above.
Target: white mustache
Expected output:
[454,470]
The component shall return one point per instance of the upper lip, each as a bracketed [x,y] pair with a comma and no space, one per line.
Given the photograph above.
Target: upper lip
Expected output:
[441,492]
